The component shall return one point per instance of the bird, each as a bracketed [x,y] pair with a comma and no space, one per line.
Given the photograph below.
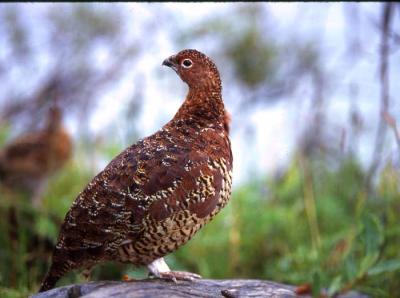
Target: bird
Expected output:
[28,161]
[156,194]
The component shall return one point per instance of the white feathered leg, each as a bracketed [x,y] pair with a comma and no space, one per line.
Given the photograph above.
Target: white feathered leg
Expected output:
[160,269]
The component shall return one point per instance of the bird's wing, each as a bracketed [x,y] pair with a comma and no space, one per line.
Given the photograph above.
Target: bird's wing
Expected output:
[169,176]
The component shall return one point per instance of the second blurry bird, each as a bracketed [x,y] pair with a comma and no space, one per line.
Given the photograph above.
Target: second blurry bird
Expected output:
[27,162]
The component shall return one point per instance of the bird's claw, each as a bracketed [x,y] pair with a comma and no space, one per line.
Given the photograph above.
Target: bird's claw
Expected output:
[179,275]
[126,277]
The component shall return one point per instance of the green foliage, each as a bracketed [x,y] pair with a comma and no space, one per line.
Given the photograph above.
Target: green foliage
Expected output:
[14,293]
[4,131]
[254,67]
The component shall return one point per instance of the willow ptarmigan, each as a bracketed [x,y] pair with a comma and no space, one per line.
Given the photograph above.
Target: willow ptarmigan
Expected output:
[154,196]
[27,162]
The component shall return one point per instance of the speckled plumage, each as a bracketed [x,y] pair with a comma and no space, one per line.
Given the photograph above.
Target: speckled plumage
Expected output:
[155,195]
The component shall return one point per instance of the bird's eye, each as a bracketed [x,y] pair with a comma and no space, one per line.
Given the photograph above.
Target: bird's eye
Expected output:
[187,63]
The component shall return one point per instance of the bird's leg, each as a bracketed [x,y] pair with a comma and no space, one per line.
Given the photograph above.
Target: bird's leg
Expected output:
[160,269]
[126,277]
[87,273]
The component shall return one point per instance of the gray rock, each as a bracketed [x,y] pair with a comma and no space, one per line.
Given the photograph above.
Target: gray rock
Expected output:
[160,288]
[156,288]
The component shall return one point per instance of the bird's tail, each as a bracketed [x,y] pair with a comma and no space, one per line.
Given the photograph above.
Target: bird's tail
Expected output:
[49,282]
[57,269]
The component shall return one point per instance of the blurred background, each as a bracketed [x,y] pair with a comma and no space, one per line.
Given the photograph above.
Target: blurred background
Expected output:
[313,91]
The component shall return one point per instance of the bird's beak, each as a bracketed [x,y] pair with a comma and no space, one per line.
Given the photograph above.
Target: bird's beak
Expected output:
[171,62]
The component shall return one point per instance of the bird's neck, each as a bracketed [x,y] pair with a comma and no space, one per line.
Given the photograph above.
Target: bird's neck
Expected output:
[204,105]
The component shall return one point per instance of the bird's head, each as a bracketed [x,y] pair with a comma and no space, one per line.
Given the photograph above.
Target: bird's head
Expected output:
[195,69]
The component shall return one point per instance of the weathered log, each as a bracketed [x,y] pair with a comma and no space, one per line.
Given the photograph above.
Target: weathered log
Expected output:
[236,288]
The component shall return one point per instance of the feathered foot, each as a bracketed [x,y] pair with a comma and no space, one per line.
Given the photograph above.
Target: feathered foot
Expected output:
[87,273]
[179,275]
[160,269]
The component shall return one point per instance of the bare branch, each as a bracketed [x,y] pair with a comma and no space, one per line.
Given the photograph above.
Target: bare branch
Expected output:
[384,97]
[389,119]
